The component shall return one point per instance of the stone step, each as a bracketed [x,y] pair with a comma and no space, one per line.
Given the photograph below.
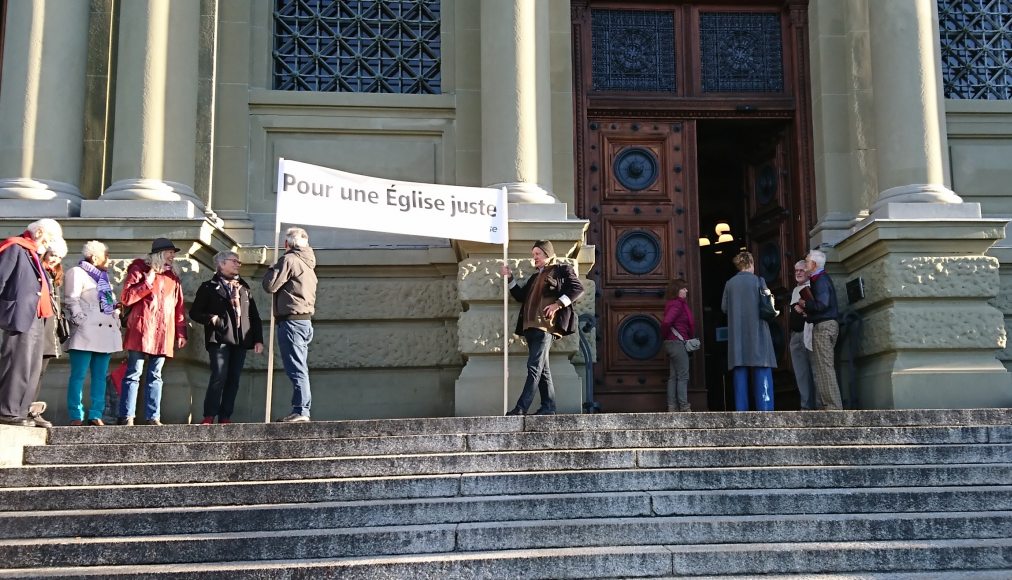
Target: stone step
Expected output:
[89,523]
[84,454]
[239,492]
[460,425]
[437,464]
[809,560]
[490,536]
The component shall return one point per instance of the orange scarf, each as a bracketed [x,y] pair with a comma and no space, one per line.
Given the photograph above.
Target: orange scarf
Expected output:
[45,309]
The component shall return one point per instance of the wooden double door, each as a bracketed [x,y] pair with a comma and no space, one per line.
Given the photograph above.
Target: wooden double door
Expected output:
[654,191]
[693,142]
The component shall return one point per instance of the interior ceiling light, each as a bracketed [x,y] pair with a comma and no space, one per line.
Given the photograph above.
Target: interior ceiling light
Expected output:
[721,228]
[704,241]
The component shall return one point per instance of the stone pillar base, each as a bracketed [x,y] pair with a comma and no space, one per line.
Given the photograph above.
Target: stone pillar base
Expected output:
[30,208]
[115,208]
[478,391]
[934,380]
[929,334]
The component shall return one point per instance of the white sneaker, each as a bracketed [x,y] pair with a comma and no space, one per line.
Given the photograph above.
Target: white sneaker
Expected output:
[294,418]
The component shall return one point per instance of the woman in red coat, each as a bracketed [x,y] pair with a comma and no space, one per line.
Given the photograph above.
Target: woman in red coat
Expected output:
[156,326]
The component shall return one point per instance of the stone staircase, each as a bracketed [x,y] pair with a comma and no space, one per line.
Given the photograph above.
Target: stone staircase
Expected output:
[854,494]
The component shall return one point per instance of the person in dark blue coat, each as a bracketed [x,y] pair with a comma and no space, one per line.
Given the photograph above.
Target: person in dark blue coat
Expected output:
[823,311]
[26,301]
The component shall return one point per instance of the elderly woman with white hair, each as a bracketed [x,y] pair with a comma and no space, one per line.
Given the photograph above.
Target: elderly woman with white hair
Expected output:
[94,332]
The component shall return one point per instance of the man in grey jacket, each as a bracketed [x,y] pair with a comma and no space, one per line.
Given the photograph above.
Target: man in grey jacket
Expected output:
[292,281]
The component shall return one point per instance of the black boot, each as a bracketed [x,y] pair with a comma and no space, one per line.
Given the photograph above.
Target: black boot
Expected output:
[515,411]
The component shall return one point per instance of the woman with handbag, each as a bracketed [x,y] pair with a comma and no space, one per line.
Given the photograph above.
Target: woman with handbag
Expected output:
[94,332]
[679,340]
[749,344]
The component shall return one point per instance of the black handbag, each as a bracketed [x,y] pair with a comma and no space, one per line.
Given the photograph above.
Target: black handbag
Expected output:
[62,328]
[767,305]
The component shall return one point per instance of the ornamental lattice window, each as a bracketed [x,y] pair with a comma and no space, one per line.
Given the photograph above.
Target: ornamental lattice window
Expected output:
[741,52]
[357,46]
[976,39]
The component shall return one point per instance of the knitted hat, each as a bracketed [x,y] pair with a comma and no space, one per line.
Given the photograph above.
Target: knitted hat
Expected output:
[546,247]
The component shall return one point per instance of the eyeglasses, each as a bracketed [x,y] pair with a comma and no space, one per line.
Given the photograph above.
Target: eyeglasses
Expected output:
[800,270]
[235,261]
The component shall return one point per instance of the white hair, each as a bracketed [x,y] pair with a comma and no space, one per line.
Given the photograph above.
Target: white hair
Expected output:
[296,238]
[50,227]
[222,257]
[159,260]
[57,247]
[819,257]
[93,247]
[800,265]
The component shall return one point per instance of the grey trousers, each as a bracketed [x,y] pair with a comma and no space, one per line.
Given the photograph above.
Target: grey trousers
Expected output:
[20,367]
[803,372]
[678,375]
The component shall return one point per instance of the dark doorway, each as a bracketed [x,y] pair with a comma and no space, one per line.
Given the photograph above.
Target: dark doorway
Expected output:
[743,198]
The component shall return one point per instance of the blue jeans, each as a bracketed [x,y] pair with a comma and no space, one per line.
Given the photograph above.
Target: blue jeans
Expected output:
[226,366]
[762,388]
[539,343]
[294,337]
[81,361]
[132,383]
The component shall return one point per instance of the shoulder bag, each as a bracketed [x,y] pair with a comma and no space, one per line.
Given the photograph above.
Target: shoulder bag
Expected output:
[767,305]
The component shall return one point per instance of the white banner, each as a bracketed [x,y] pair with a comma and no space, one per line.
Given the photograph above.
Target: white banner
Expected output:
[319,196]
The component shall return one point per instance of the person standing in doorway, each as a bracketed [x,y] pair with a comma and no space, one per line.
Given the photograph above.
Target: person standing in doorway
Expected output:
[292,281]
[680,327]
[800,358]
[546,313]
[822,311]
[155,327]
[232,326]
[749,344]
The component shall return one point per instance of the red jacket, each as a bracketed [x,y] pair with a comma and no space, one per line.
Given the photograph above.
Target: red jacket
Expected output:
[157,314]
[677,314]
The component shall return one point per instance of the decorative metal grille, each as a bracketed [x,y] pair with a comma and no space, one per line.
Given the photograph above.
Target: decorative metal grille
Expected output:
[976,37]
[633,50]
[741,52]
[357,46]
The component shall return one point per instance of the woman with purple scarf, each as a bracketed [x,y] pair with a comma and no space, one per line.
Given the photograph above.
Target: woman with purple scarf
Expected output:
[94,331]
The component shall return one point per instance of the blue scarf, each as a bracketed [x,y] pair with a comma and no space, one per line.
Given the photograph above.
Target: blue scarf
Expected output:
[106,299]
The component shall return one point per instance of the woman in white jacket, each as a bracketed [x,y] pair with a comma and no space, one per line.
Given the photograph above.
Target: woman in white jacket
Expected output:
[94,331]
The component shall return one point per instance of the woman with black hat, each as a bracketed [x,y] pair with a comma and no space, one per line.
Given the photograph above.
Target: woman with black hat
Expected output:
[156,326]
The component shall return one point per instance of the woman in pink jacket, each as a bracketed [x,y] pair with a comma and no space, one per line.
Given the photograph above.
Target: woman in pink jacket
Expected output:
[678,327]
[156,326]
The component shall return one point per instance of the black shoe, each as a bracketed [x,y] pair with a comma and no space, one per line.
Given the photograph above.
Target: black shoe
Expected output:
[17,422]
[544,411]
[153,422]
[128,421]
[515,411]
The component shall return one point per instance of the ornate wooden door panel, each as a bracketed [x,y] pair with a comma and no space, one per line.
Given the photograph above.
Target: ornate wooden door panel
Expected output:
[641,210]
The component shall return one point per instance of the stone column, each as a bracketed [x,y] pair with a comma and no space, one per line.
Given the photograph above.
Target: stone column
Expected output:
[929,334]
[909,123]
[42,108]
[516,142]
[154,148]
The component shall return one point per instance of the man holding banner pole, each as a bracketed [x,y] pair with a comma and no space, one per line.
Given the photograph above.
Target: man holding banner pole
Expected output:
[546,314]
[292,281]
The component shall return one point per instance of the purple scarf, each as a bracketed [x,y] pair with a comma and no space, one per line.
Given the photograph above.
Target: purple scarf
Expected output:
[106,299]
